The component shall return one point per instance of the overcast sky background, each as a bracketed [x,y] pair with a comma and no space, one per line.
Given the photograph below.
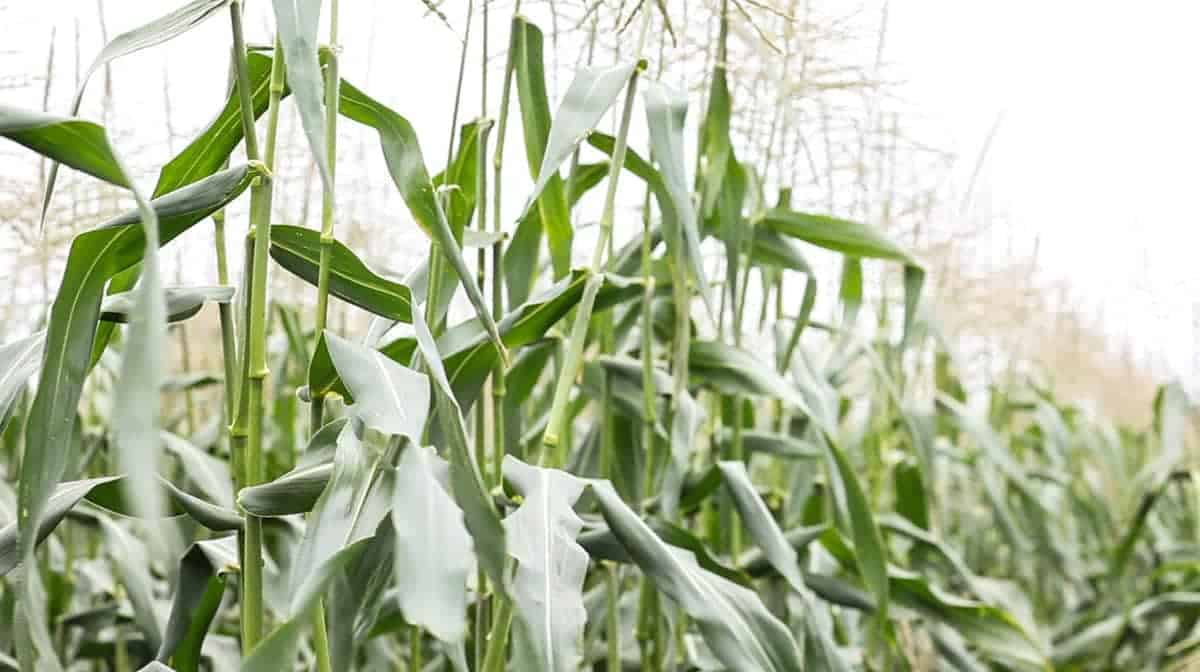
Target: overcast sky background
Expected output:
[1094,156]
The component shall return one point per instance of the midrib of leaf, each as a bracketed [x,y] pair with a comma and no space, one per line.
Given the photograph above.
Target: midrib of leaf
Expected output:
[376,359]
[546,567]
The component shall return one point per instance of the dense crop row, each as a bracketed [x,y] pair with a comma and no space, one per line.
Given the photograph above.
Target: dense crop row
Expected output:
[595,471]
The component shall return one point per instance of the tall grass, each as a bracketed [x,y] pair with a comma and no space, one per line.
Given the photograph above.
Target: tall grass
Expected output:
[655,479]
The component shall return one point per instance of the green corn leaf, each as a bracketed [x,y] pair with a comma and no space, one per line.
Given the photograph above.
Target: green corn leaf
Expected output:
[299,251]
[771,249]
[590,95]
[18,361]
[852,239]
[344,521]
[79,144]
[388,397]
[296,22]
[551,566]
[870,555]
[666,116]
[778,445]
[135,406]
[552,216]
[470,355]
[402,153]
[200,587]
[776,548]
[840,235]
[162,29]
[466,484]
[96,256]
[181,302]
[735,371]
[736,625]
[66,496]
[434,553]
[296,491]
[210,150]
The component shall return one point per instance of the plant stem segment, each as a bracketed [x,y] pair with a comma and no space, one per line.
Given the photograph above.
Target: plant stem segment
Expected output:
[247,430]
[553,453]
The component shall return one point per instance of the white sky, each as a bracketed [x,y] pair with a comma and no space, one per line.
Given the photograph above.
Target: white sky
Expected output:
[1097,149]
[1095,155]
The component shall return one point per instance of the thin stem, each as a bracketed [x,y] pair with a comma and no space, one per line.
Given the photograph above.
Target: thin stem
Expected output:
[242,72]
[498,388]
[613,629]
[328,210]
[556,425]
[497,647]
[415,654]
[249,421]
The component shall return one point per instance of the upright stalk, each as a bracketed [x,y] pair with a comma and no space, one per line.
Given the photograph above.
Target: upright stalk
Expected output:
[485,412]
[247,430]
[553,453]
[328,202]
[498,388]
[328,209]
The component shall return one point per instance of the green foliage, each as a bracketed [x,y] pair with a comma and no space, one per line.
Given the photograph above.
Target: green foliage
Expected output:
[837,501]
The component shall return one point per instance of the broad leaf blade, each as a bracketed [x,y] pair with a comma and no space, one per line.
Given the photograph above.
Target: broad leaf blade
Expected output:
[466,484]
[406,166]
[388,397]
[296,22]
[434,552]
[551,567]
[299,251]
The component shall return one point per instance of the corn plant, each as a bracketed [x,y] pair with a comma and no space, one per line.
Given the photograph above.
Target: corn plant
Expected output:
[606,467]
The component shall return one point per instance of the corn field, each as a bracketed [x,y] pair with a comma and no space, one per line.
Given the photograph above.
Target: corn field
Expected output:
[658,460]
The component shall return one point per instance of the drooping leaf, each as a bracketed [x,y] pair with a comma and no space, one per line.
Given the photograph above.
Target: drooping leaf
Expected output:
[779,445]
[341,525]
[735,371]
[666,116]
[870,553]
[434,553]
[66,496]
[551,567]
[18,361]
[736,625]
[96,256]
[162,29]
[299,251]
[588,98]
[406,166]
[388,397]
[777,549]
[552,216]
[852,239]
[181,302]
[296,22]
[79,144]
[466,484]
[298,490]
